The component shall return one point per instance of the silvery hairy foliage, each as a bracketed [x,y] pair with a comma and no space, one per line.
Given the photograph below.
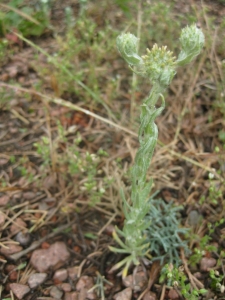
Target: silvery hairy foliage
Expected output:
[159,65]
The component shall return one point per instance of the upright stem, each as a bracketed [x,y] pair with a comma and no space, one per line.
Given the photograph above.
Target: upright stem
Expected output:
[148,134]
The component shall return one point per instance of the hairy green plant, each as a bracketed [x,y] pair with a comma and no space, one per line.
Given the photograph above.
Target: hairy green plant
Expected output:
[159,65]
[216,280]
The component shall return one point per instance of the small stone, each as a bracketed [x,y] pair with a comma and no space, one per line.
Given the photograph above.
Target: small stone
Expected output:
[56,293]
[71,296]
[4,200]
[11,271]
[173,295]
[53,257]
[36,279]
[49,181]
[124,295]
[11,249]
[109,229]
[23,238]
[84,284]
[198,275]
[136,282]
[150,296]
[194,218]
[66,287]
[9,268]
[2,219]
[73,272]
[207,263]
[3,161]
[17,226]
[29,195]
[60,275]
[19,290]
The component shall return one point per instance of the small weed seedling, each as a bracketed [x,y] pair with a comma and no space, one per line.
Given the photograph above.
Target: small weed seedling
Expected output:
[159,65]
[82,165]
[29,19]
[176,277]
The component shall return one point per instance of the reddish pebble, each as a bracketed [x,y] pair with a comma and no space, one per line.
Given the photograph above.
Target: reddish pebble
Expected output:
[45,245]
[126,294]
[72,272]
[207,263]
[19,290]
[53,257]
[66,287]
[71,296]
[17,226]
[36,279]
[60,275]
[56,293]
[11,249]
[150,296]
[4,200]
[2,219]
[29,195]
[173,295]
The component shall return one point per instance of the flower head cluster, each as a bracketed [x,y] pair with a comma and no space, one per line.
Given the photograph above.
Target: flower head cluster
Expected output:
[159,65]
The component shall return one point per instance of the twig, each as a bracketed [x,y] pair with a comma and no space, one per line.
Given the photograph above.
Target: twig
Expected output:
[194,281]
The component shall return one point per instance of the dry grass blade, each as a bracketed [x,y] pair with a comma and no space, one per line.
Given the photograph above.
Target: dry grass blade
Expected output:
[109,122]
[22,14]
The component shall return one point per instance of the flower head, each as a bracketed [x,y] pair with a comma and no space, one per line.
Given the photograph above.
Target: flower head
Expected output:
[127,44]
[159,65]
[192,41]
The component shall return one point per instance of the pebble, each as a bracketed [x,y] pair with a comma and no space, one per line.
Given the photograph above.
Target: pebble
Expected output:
[66,287]
[173,295]
[71,296]
[126,294]
[23,238]
[49,181]
[207,263]
[53,257]
[29,195]
[3,161]
[11,271]
[136,282]
[72,272]
[84,284]
[150,296]
[11,249]
[194,218]
[19,290]
[17,225]
[60,275]
[36,279]
[56,293]
[4,200]
[2,219]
